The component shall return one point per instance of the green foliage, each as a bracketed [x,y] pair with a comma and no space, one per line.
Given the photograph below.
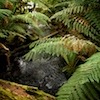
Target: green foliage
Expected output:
[82,16]
[14,20]
[4,12]
[2,35]
[69,48]
[34,19]
[84,83]
[79,16]
[41,17]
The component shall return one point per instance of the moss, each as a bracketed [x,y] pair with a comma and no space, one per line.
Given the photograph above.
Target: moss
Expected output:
[6,94]
[13,91]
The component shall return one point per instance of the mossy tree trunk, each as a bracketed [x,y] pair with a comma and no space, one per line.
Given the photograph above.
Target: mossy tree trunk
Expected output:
[14,91]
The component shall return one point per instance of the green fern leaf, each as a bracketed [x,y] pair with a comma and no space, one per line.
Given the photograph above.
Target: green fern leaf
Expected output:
[18,28]
[68,48]
[4,12]
[82,16]
[2,35]
[83,82]
[28,19]
[43,41]
[41,17]
[71,43]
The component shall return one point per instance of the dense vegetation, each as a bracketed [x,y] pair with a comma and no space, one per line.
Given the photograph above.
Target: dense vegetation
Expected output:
[66,28]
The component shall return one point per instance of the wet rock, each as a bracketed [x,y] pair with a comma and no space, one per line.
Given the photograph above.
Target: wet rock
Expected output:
[44,73]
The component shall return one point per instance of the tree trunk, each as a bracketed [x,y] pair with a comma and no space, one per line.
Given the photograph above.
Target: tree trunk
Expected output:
[14,91]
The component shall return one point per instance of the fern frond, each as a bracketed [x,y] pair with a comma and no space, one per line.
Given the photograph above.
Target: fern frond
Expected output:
[13,34]
[68,10]
[68,48]
[84,83]
[28,19]
[23,18]
[49,48]
[83,26]
[94,18]
[4,12]
[79,45]
[41,17]
[18,28]
[2,35]
[47,40]
[61,4]
[82,16]
[74,10]
[79,23]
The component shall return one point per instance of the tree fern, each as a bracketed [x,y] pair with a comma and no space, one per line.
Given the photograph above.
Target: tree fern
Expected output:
[34,19]
[50,46]
[27,18]
[69,48]
[82,16]
[84,83]
[20,24]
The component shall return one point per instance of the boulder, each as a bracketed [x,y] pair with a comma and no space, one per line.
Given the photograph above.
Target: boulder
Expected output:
[44,73]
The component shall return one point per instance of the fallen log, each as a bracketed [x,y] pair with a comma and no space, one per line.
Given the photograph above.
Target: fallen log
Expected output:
[13,91]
